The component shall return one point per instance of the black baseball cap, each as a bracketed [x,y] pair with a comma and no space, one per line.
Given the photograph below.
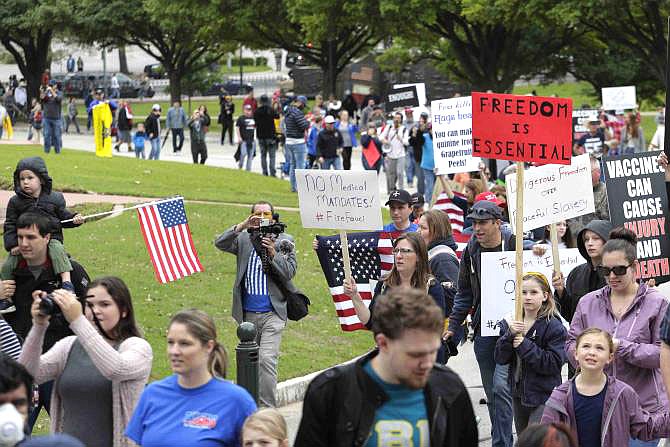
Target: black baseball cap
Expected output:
[485,210]
[417,199]
[400,196]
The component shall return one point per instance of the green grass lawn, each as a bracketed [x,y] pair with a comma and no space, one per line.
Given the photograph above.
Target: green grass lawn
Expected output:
[83,171]
[115,246]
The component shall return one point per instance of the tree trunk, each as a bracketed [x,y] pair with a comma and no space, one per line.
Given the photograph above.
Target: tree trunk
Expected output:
[175,84]
[32,57]
[123,60]
[330,70]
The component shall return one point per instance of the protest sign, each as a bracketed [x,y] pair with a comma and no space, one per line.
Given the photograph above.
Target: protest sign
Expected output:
[498,290]
[619,98]
[452,135]
[420,91]
[552,193]
[522,128]
[580,121]
[402,97]
[638,201]
[344,200]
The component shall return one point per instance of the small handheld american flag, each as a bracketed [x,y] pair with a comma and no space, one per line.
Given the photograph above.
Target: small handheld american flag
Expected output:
[168,239]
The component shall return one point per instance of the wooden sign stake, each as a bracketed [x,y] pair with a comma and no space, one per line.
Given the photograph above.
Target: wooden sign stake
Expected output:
[553,234]
[518,246]
[345,254]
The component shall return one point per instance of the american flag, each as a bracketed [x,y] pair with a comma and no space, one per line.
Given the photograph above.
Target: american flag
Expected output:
[371,258]
[456,218]
[168,239]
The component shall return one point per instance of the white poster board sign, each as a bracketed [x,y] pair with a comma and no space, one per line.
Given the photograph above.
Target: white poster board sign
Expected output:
[619,98]
[452,135]
[552,193]
[499,287]
[343,200]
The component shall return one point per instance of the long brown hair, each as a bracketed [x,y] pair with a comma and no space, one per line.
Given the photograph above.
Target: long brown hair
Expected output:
[202,327]
[438,224]
[421,273]
[632,126]
[117,289]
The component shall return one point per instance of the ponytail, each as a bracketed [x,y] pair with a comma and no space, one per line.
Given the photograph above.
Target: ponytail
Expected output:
[218,361]
[202,327]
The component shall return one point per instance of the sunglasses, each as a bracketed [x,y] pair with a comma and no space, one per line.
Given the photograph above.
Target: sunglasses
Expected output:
[618,270]
[403,251]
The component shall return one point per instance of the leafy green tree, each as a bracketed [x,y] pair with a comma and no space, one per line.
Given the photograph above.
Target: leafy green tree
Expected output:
[327,34]
[184,36]
[27,28]
[486,44]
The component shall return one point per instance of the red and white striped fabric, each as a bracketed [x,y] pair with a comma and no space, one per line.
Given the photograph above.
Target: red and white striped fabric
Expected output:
[456,218]
[168,239]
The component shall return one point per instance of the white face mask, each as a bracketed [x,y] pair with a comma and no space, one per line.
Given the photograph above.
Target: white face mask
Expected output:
[11,426]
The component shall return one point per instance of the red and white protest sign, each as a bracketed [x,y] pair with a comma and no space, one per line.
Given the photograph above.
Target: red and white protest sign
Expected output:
[522,128]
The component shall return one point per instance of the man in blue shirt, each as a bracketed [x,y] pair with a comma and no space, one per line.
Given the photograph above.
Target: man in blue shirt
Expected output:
[257,296]
[400,208]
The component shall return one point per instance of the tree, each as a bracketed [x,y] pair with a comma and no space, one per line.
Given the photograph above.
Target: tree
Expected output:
[184,36]
[327,34]
[26,30]
[485,44]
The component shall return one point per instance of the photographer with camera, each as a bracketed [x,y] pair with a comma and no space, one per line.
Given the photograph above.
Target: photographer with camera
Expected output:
[266,263]
[52,99]
[198,127]
[35,272]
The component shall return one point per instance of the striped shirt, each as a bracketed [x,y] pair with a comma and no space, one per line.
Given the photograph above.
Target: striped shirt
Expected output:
[256,295]
[9,342]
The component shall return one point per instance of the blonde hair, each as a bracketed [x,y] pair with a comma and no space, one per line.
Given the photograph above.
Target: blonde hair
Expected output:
[548,308]
[596,331]
[202,327]
[268,421]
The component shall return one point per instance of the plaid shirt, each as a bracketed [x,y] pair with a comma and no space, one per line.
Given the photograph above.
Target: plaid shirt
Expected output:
[665,328]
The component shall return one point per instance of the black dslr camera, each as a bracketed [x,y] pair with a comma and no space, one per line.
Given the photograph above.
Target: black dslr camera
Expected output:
[267,228]
[48,306]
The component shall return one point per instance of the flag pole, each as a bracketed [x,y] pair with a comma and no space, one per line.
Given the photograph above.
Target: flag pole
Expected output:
[107,213]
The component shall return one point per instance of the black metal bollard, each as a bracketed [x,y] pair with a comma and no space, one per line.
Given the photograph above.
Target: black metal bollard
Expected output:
[246,353]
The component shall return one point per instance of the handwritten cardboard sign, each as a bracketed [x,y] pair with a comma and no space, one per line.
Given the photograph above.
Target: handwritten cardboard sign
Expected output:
[498,290]
[452,135]
[552,193]
[638,201]
[522,128]
[619,98]
[343,200]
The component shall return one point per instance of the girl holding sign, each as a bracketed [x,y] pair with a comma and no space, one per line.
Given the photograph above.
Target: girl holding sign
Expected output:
[632,313]
[603,410]
[534,349]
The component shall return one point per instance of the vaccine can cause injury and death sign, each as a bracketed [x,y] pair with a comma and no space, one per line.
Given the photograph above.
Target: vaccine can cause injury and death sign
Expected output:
[344,200]
[552,193]
[522,128]
[452,135]
[638,201]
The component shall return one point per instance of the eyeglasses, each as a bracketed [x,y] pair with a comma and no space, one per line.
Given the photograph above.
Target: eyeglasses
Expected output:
[618,270]
[402,251]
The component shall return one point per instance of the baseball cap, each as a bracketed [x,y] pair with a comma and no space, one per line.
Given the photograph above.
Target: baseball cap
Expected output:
[156,107]
[302,99]
[488,196]
[485,210]
[409,110]
[417,199]
[400,196]
[330,119]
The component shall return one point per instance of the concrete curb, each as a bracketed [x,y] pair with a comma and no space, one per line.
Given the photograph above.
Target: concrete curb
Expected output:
[293,390]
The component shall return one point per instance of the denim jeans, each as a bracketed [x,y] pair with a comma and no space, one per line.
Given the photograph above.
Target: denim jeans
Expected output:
[640,443]
[498,393]
[428,184]
[296,155]
[335,162]
[410,164]
[268,148]
[155,153]
[247,151]
[177,139]
[44,401]
[52,134]
[420,186]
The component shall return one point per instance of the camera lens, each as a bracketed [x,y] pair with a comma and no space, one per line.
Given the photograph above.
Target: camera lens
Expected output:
[48,306]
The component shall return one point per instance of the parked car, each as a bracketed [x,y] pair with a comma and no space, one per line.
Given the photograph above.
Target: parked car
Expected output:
[77,84]
[155,71]
[232,87]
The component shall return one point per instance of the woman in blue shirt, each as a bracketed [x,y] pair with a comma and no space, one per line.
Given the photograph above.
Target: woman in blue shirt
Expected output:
[194,407]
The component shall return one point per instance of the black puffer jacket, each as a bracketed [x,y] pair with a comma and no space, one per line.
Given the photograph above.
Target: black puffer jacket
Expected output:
[583,278]
[50,203]
[444,266]
[340,405]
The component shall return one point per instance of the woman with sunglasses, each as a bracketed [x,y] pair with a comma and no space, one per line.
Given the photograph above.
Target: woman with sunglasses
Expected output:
[410,269]
[632,313]
[99,372]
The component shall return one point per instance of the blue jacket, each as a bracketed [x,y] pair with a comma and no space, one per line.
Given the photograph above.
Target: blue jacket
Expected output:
[542,354]
[312,136]
[176,118]
[352,132]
